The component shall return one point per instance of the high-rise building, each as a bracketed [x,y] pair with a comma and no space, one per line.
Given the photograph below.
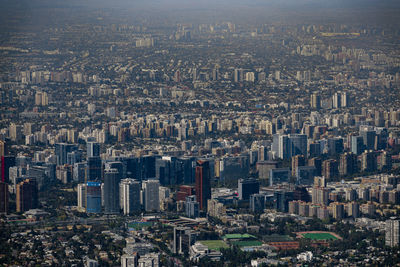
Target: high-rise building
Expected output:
[238,75]
[215,208]
[330,169]
[164,193]
[264,167]
[3,148]
[282,199]
[283,147]
[169,171]
[392,233]
[357,144]
[368,139]
[93,169]
[369,161]
[335,146]
[61,151]
[247,187]
[92,149]
[74,157]
[231,168]
[353,209]
[317,163]
[81,196]
[79,172]
[118,165]
[6,163]
[305,175]
[192,207]
[72,136]
[320,195]
[151,195]
[27,195]
[130,260]
[297,161]
[319,181]
[348,164]
[315,101]
[130,196]
[4,197]
[337,100]
[93,197]
[298,144]
[184,191]
[184,237]
[15,132]
[337,210]
[257,202]
[111,191]
[278,176]
[287,146]
[384,161]
[203,183]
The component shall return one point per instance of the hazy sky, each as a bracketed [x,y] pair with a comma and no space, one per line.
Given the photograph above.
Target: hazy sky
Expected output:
[362,11]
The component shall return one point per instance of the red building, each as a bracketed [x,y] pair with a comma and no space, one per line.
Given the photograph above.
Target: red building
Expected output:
[184,191]
[203,183]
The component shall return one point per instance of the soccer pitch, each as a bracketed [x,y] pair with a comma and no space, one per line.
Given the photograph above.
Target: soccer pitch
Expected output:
[319,236]
[214,244]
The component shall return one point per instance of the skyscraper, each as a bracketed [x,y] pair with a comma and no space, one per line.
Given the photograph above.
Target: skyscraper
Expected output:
[129,260]
[118,165]
[357,144]
[298,144]
[4,197]
[297,161]
[392,233]
[3,148]
[81,196]
[348,164]
[61,151]
[337,100]
[111,191]
[184,237]
[247,187]
[6,163]
[130,196]
[93,197]
[315,101]
[93,169]
[368,139]
[330,169]
[92,149]
[151,195]
[192,207]
[27,195]
[286,146]
[203,183]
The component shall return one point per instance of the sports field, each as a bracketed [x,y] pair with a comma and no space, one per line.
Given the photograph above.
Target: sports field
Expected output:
[139,225]
[253,243]
[319,236]
[214,244]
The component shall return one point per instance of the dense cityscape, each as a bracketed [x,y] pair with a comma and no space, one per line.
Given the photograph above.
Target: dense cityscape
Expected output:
[174,136]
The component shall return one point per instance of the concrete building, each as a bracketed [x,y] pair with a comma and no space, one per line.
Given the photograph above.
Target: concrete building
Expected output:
[392,233]
[151,195]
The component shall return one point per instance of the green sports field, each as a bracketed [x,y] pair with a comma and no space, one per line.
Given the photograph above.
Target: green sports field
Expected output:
[214,244]
[319,236]
[139,225]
